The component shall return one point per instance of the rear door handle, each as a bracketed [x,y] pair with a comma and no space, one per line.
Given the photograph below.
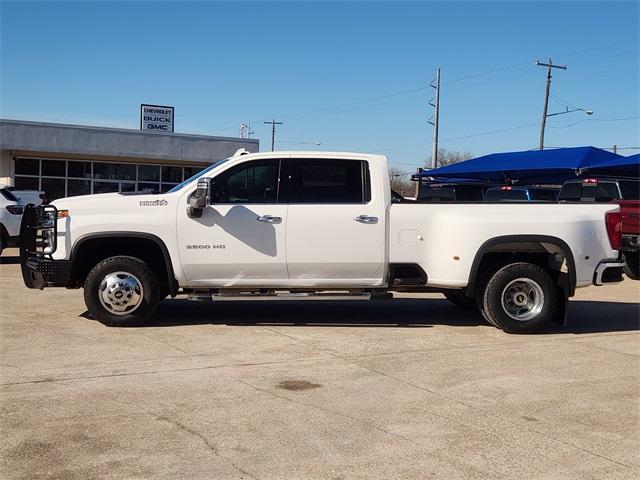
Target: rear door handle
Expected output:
[269,219]
[366,219]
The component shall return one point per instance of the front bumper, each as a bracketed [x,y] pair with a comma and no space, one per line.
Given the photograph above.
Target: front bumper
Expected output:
[38,233]
[608,272]
[40,272]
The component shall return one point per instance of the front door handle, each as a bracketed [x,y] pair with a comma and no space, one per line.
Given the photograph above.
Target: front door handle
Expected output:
[366,219]
[269,219]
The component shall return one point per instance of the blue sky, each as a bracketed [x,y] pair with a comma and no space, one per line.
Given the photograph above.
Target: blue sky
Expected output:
[333,72]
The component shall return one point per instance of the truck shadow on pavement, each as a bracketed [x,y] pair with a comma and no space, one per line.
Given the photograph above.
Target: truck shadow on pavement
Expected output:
[584,316]
[6,260]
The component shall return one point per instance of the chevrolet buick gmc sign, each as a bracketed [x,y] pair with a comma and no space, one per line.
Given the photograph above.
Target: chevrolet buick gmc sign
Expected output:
[156,118]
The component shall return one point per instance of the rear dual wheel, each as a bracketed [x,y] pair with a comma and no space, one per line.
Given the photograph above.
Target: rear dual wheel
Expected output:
[518,298]
[632,265]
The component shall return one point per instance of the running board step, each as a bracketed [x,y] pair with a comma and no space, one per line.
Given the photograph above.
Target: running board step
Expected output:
[231,296]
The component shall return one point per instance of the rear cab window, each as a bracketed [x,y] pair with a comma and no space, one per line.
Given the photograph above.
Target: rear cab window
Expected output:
[601,191]
[505,195]
[329,181]
[543,194]
[433,193]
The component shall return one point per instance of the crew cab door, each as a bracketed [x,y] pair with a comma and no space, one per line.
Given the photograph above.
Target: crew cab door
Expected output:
[239,240]
[335,226]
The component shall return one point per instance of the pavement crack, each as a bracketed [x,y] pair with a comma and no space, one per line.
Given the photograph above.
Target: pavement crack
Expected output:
[152,372]
[182,427]
[204,440]
[164,343]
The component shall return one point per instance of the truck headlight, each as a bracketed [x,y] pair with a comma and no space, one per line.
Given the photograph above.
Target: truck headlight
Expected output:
[49,237]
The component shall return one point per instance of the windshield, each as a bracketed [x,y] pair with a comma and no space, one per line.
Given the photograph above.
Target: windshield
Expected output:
[197,175]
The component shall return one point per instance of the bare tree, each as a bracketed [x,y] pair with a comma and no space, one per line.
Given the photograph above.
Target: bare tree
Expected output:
[401,182]
[446,157]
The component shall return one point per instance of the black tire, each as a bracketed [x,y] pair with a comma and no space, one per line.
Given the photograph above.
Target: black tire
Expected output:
[481,285]
[632,265]
[149,298]
[535,280]
[2,241]
[459,299]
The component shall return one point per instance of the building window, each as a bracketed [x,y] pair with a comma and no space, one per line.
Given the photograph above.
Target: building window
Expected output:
[53,187]
[191,171]
[172,174]
[78,187]
[27,183]
[54,168]
[79,169]
[67,178]
[27,166]
[148,173]
[105,187]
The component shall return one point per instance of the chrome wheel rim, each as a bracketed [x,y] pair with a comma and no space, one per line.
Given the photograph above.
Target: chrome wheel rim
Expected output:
[120,293]
[522,299]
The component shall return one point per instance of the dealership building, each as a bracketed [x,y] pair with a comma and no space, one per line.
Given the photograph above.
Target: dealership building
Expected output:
[67,160]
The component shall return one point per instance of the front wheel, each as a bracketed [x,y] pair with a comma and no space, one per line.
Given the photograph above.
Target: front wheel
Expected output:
[121,291]
[520,298]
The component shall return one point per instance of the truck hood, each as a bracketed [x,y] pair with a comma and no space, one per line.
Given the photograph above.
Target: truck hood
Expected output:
[112,201]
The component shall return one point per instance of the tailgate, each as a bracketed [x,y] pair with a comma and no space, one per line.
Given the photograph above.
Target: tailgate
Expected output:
[630,211]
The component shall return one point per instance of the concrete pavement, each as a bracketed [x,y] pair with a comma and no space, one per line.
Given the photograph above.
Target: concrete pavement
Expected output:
[409,388]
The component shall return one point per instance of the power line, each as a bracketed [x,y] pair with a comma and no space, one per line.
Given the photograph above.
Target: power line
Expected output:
[340,107]
[492,132]
[595,120]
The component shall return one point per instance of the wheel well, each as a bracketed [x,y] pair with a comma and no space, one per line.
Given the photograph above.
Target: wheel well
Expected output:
[89,252]
[549,253]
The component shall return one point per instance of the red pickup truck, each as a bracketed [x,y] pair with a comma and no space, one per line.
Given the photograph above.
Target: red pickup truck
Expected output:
[624,191]
[630,211]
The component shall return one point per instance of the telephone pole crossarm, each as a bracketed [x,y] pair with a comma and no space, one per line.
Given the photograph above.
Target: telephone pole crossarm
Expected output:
[549,66]
[273,124]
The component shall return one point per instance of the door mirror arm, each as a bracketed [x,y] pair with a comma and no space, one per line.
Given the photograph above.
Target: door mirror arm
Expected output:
[200,199]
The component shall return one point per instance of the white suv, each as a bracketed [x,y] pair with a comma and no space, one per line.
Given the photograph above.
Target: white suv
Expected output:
[12,203]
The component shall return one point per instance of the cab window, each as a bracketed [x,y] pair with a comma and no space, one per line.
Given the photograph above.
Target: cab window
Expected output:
[251,182]
[329,181]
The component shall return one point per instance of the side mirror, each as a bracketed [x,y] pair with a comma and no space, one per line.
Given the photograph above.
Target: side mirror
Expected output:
[200,199]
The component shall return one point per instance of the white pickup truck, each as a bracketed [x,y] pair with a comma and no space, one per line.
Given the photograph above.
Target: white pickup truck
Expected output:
[296,223]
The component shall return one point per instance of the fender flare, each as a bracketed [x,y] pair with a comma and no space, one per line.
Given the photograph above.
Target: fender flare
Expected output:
[173,283]
[492,242]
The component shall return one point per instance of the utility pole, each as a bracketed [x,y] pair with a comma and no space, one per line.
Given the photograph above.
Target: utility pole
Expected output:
[273,132]
[434,120]
[549,65]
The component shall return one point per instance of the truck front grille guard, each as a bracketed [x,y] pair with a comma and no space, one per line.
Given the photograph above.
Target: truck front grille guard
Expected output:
[39,231]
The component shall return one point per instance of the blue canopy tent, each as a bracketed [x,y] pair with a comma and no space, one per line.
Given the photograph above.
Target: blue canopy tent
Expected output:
[617,167]
[552,166]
